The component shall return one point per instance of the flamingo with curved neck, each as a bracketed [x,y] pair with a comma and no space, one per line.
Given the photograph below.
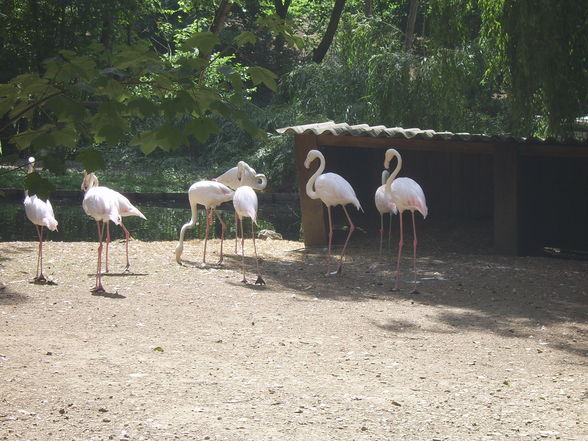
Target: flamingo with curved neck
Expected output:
[406,194]
[383,205]
[333,190]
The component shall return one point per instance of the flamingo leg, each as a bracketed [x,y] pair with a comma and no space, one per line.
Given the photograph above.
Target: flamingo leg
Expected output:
[414,245]
[127,237]
[242,251]
[400,243]
[99,287]
[351,230]
[330,240]
[223,229]
[39,277]
[259,280]
[381,233]
[208,223]
[107,242]
[390,232]
[237,232]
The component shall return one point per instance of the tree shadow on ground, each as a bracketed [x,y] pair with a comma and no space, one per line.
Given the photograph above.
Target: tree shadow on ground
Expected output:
[505,295]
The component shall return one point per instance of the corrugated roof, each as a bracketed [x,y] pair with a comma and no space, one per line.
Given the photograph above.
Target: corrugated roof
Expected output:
[344,129]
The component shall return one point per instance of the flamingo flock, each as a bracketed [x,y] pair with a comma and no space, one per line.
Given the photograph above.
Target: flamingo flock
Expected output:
[395,195]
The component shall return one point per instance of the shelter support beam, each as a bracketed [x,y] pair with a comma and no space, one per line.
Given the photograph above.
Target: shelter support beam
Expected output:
[506,200]
[313,218]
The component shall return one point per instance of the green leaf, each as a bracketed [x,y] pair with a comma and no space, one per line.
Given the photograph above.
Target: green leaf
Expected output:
[202,128]
[36,185]
[146,141]
[65,136]
[203,41]
[91,160]
[142,107]
[54,164]
[244,38]
[158,349]
[262,75]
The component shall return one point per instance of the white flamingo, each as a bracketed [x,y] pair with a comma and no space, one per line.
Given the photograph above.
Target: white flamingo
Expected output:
[406,194]
[40,213]
[210,194]
[384,206]
[333,190]
[104,205]
[249,177]
[245,203]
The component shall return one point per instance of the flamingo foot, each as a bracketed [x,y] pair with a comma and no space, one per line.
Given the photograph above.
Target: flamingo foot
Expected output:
[244,280]
[98,288]
[395,289]
[40,279]
[220,261]
[259,280]
[127,268]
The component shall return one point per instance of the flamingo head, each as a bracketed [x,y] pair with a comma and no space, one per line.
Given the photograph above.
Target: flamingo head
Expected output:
[311,156]
[90,180]
[390,153]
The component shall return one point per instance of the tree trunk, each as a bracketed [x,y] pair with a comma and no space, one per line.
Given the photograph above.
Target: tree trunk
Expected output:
[319,53]
[368,8]
[220,19]
[409,35]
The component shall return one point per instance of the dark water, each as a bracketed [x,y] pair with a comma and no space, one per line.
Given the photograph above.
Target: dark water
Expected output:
[163,223]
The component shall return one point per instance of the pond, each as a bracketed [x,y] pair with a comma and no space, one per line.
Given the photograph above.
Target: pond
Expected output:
[163,222]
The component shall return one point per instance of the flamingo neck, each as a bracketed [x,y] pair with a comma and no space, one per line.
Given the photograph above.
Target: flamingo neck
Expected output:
[391,178]
[310,191]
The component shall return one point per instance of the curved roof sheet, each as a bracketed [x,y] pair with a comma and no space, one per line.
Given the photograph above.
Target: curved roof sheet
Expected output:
[344,129]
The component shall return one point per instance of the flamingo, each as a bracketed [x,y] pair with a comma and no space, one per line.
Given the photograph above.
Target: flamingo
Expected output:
[333,190]
[384,206]
[40,213]
[249,177]
[406,194]
[245,203]
[104,205]
[210,194]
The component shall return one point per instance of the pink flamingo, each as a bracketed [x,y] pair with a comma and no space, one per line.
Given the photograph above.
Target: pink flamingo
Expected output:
[40,213]
[384,206]
[249,177]
[333,190]
[104,205]
[245,203]
[407,195]
[210,194]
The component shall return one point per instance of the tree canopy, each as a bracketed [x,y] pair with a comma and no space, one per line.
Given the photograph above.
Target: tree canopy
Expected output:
[167,75]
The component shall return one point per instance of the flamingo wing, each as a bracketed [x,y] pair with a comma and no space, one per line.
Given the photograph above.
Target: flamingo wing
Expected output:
[245,202]
[407,194]
[335,190]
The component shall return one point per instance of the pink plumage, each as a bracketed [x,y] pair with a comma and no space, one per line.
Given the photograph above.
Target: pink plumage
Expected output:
[209,194]
[245,203]
[104,205]
[40,213]
[333,190]
[406,194]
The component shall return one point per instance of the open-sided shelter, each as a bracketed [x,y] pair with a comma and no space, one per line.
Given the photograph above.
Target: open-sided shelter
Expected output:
[535,190]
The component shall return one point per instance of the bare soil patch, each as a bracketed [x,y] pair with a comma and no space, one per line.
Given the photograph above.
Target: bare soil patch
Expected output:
[492,347]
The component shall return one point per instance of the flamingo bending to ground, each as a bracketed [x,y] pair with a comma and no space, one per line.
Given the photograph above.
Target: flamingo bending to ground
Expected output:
[104,205]
[384,206]
[248,176]
[333,190]
[210,194]
[245,203]
[407,195]
[40,213]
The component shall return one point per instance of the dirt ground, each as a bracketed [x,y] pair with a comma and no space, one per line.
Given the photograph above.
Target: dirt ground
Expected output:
[491,348]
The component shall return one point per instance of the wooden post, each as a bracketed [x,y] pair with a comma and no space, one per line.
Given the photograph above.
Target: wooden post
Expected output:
[311,210]
[506,201]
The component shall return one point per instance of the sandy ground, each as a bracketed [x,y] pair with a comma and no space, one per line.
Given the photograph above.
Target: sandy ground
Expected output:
[491,348]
